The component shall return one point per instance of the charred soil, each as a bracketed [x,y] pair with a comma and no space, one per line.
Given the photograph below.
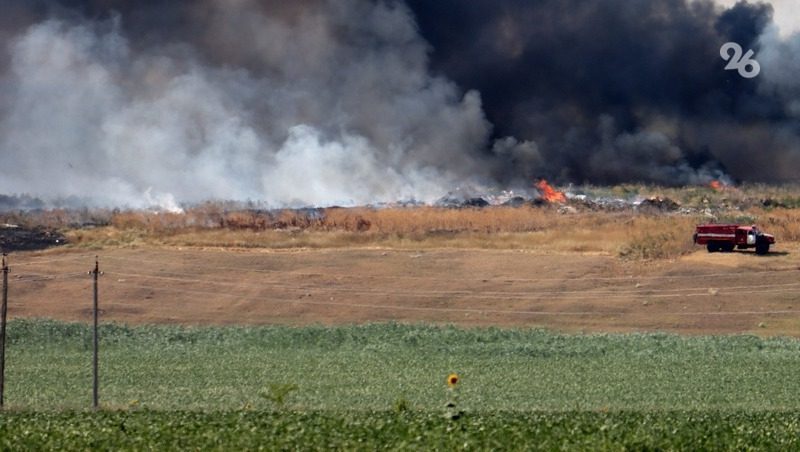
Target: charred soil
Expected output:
[15,238]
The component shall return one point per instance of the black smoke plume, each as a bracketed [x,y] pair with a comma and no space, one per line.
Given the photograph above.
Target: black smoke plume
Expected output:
[615,91]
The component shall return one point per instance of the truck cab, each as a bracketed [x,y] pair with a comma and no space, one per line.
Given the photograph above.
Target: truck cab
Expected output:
[746,236]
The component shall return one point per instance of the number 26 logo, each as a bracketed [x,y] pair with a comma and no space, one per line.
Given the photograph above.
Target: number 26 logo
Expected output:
[739,62]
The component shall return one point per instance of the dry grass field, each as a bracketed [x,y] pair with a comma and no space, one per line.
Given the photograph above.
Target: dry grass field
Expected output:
[564,268]
[630,235]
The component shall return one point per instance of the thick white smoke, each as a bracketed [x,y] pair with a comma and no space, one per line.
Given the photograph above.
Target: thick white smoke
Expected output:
[337,107]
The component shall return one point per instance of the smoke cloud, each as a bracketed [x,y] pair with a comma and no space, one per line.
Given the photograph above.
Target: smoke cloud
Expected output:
[323,102]
[617,91]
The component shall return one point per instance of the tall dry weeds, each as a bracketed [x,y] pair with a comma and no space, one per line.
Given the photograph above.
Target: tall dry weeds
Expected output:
[629,234]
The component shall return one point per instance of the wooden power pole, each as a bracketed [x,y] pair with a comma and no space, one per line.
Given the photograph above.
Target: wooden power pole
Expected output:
[95,378]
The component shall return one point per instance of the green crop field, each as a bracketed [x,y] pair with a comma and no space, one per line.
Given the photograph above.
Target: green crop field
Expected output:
[385,430]
[385,384]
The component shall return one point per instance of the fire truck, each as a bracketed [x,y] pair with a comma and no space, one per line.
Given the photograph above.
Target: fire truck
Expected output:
[726,237]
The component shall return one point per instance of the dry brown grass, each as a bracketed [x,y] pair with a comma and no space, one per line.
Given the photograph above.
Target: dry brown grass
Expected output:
[382,221]
[783,223]
[388,221]
[441,220]
[632,236]
[658,238]
[628,234]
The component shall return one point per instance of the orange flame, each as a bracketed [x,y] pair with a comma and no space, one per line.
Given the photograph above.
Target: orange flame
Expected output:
[716,185]
[549,193]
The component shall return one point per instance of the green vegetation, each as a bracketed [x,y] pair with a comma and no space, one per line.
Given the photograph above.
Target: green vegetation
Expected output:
[383,386]
[350,430]
[370,367]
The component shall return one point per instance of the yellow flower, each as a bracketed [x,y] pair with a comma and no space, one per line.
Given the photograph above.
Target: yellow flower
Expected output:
[452,380]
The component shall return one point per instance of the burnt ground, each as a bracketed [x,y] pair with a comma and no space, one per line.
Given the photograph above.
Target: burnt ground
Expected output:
[700,293]
[14,238]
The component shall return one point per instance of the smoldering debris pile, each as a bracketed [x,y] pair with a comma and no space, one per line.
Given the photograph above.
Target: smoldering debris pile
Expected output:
[657,203]
[566,201]
[465,198]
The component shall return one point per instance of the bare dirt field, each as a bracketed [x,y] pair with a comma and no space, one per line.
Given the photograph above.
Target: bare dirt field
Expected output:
[699,293]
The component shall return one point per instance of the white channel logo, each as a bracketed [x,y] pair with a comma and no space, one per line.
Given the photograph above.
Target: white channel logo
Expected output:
[739,62]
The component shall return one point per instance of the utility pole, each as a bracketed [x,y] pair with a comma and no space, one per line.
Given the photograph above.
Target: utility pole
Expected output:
[95,380]
[3,316]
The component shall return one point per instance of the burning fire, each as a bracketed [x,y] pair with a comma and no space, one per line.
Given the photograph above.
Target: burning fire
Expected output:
[718,185]
[549,193]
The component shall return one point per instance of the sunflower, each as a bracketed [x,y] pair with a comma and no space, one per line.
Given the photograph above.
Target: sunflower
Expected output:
[452,380]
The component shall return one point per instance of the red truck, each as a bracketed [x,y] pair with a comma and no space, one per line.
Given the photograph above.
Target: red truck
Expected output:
[726,237]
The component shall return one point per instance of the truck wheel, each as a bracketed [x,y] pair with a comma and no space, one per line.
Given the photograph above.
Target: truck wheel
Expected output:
[762,247]
[712,247]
